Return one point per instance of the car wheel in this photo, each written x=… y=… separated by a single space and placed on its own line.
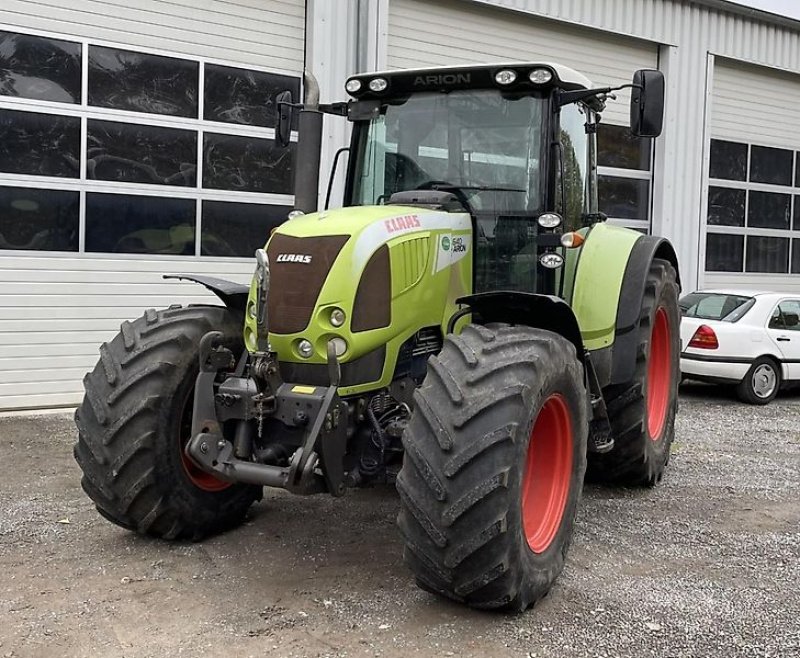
x=761 y=383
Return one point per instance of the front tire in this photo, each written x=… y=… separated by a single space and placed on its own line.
x=495 y=455
x=135 y=420
x=761 y=383
x=642 y=411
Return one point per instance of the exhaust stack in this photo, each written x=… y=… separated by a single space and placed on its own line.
x=309 y=146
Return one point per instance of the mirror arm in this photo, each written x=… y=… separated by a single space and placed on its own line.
x=567 y=97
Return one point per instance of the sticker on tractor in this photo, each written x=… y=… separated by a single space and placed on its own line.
x=446 y=243
x=452 y=248
x=303 y=390
x=401 y=223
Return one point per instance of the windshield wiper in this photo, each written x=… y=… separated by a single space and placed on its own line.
x=478 y=188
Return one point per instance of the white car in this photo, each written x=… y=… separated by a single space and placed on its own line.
x=750 y=339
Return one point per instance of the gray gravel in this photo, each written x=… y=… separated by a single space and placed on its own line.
x=707 y=564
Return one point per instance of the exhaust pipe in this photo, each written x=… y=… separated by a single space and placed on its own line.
x=309 y=148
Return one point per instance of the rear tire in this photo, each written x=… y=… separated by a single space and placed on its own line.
x=495 y=455
x=761 y=383
x=642 y=411
x=134 y=422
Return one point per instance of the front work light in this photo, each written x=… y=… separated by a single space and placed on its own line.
x=549 y=220
x=551 y=261
x=505 y=77
x=540 y=76
x=378 y=84
x=353 y=86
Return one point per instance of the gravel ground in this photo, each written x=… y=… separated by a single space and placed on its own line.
x=707 y=564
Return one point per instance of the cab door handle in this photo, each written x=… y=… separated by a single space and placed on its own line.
x=783 y=339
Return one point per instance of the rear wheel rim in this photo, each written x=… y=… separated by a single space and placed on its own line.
x=197 y=476
x=548 y=474
x=764 y=381
x=659 y=375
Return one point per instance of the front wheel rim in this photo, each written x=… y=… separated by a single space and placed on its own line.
x=764 y=381
x=548 y=474
x=659 y=375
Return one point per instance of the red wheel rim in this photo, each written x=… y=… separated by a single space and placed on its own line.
x=658 y=375
x=197 y=476
x=548 y=471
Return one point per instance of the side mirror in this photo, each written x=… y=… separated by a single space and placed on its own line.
x=647 y=103
x=283 y=118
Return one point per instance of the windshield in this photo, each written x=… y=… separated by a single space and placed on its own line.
x=715 y=306
x=483 y=147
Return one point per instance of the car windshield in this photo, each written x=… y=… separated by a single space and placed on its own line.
x=478 y=144
x=715 y=306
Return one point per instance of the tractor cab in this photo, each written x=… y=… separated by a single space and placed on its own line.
x=512 y=145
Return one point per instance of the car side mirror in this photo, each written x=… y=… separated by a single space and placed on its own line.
x=647 y=103
x=283 y=118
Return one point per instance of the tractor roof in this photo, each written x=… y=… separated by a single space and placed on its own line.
x=464 y=76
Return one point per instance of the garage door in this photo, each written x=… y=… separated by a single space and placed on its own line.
x=135 y=141
x=753 y=211
x=457 y=32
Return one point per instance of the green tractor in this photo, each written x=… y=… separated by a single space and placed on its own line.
x=467 y=326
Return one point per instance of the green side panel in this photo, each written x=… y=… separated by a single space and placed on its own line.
x=596 y=273
x=430 y=255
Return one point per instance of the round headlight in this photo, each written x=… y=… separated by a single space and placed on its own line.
x=353 y=85
x=551 y=261
x=505 y=77
x=295 y=213
x=540 y=76
x=378 y=84
x=337 y=317
x=305 y=348
x=339 y=345
x=549 y=220
x=251 y=310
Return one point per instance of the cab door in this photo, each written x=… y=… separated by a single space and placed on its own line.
x=784 y=331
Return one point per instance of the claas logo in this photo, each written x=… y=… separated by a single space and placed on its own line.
x=293 y=258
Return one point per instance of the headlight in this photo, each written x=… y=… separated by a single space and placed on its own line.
x=540 y=76
x=337 y=317
x=551 y=261
x=549 y=220
x=505 y=77
x=353 y=86
x=339 y=345
x=305 y=348
x=378 y=84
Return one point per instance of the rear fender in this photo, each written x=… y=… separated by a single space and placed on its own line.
x=233 y=295
x=540 y=311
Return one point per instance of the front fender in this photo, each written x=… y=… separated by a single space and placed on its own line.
x=233 y=295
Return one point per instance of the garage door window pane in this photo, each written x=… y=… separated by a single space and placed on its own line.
x=246 y=164
x=624 y=198
x=132 y=224
x=796 y=224
x=767 y=254
x=141 y=154
x=728 y=160
x=769 y=210
x=726 y=206
x=39 y=144
x=724 y=253
x=139 y=82
x=770 y=165
x=797 y=170
x=38 y=219
x=40 y=68
x=237 y=229
x=796 y=256
x=616 y=147
x=242 y=96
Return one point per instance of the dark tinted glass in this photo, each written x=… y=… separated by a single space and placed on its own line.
x=767 y=254
x=770 y=165
x=40 y=68
x=38 y=219
x=796 y=221
x=237 y=229
x=769 y=210
x=726 y=206
x=616 y=147
x=714 y=306
x=625 y=198
x=797 y=170
x=246 y=164
x=728 y=160
x=125 y=223
x=39 y=144
x=240 y=96
x=139 y=82
x=724 y=253
x=133 y=153
x=796 y=256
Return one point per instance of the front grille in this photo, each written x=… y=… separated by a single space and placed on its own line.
x=296 y=278
x=363 y=370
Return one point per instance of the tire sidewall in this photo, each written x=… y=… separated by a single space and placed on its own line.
x=541 y=569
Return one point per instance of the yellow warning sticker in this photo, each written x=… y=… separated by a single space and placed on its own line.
x=304 y=390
